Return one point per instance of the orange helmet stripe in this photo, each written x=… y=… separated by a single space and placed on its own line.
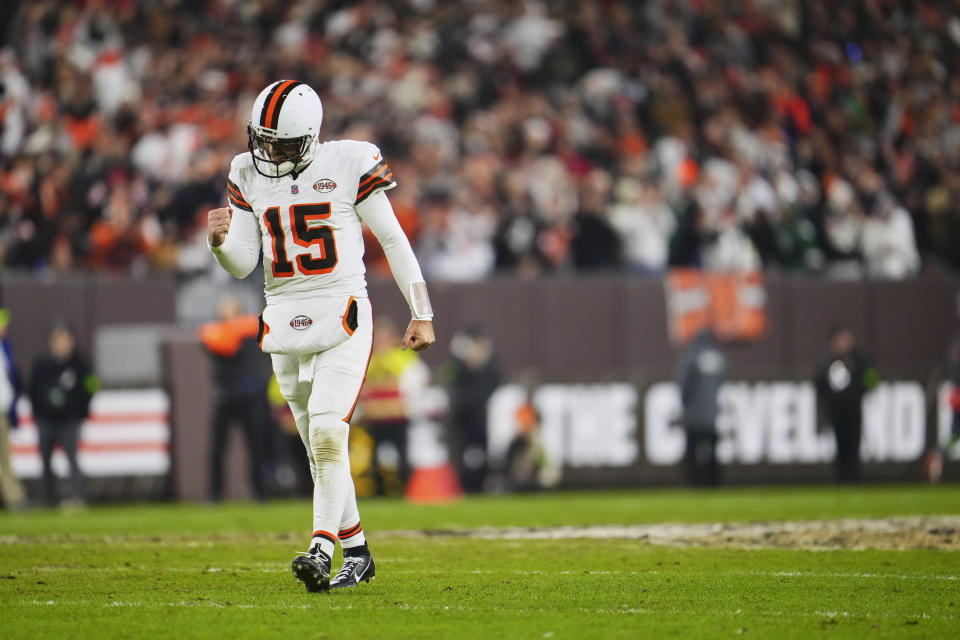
x=271 y=111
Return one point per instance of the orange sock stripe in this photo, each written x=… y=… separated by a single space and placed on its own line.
x=352 y=531
x=319 y=533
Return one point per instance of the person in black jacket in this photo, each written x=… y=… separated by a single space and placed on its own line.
x=842 y=380
x=472 y=374
x=701 y=371
x=61 y=387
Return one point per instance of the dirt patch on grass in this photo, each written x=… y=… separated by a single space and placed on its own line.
x=920 y=532
x=908 y=532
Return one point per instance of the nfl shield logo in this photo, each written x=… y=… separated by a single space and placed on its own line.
x=294 y=189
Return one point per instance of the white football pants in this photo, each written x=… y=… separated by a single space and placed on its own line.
x=322 y=408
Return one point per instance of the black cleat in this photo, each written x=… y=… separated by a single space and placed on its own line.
x=313 y=570
x=356 y=569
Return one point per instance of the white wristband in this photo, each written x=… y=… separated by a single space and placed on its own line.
x=420 y=301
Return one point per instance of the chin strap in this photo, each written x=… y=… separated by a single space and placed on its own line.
x=300 y=168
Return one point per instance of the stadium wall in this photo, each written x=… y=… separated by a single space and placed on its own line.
x=585 y=333
x=594 y=356
x=564 y=328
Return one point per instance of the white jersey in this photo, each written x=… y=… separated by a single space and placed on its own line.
x=310 y=231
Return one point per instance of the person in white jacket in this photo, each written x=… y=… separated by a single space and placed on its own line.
x=887 y=241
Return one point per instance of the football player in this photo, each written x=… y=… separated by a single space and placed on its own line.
x=302 y=202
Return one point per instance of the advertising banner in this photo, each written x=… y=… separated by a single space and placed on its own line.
x=127 y=434
x=733 y=304
x=765 y=424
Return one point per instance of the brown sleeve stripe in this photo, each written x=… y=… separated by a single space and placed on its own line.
x=379 y=170
x=240 y=204
x=387 y=182
x=387 y=176
x=232 y=186
x=236 y=197
x=236 y=194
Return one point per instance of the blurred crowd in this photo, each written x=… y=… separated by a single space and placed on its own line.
x=527 y=137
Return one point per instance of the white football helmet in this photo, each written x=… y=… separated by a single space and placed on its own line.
x=284 y=128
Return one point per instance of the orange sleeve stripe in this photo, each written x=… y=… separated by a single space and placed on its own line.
x=385 y=182
x=233 y=185
x=388 y=177
x=374 y=175
x=239 y=203
x=235 y=192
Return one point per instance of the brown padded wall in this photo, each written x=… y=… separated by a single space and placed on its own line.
x=562 y=328
x=86 y=302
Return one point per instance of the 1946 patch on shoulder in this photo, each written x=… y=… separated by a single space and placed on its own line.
x=324 y=185
x=301 y=322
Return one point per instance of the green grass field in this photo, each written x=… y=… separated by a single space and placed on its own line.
x=223 y=571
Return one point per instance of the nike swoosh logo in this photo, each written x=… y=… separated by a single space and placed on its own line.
x=376 y=157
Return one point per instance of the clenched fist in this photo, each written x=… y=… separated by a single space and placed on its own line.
x=218 y=223
x=419 y=335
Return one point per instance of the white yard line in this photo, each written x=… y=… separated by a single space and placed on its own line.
x=266 y=567
x=624 y=609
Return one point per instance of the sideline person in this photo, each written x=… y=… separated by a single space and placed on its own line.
x=62 y=385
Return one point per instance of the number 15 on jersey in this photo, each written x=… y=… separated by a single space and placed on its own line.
x=304 y=235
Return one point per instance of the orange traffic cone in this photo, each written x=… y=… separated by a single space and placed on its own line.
x=434 y=484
